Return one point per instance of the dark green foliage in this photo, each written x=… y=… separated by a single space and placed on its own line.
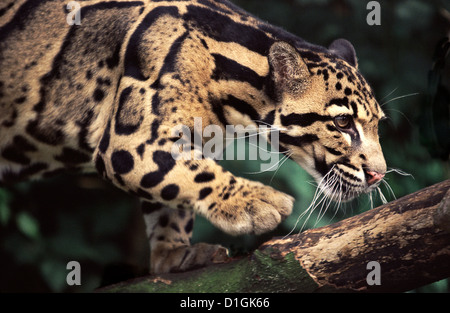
x=435 y=127
x=44 y=225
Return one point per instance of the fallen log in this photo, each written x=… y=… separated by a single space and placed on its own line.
x=396 y=247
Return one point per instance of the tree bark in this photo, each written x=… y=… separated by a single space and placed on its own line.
x=408 y=238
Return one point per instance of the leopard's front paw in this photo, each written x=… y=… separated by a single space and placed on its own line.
x=166 y=258
x=255 y=208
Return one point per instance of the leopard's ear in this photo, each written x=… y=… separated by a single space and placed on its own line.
x=345 y=50
x=289 y=72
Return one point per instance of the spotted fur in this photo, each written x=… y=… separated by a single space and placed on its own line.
x=104 y=95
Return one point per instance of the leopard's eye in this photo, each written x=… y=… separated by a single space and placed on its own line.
x=343 y=122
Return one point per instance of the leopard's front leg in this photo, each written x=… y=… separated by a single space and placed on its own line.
x=135 y=153
x=237 y=205
x=169 y=232
x=234 y=204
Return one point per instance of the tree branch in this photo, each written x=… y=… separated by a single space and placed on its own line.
x=409 y=238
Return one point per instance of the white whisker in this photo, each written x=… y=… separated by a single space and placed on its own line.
x=267 y=151
x=285 y=159
x=399 y=97
x=382 y=197
x=399 y=171
x=389 y=94
x=282 y=160
x=401 y=113
x=371 y=199
x=333 y=188
x=388 y=187
x=257 y=133
x=338 y=203
x=268 y=124
x=319 y=194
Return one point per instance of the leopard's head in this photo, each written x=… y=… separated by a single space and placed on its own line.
x=328 y=117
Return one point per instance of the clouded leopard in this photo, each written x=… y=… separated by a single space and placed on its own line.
x=104 y=96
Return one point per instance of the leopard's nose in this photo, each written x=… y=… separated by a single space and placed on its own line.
x=373 y=177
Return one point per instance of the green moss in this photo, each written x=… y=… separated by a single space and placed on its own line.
x=258 y=273
x=280 y=275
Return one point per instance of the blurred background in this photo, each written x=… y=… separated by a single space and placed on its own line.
x=46 y=224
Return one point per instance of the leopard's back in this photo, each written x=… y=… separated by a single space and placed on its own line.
x=57 y=83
